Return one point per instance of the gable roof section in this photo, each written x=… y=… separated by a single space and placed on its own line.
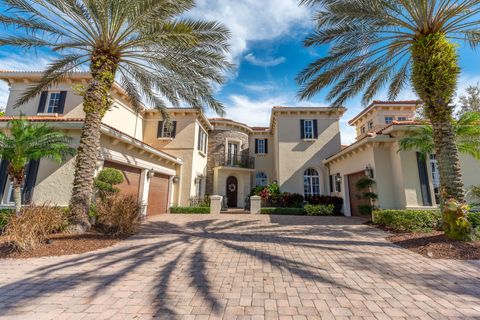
x=378 y=104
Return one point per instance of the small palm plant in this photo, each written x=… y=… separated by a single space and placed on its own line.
x=467 y=136
x=156 y=56
x=23 y=142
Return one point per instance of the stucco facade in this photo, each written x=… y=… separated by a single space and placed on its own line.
x=188 y=156
x=403 y=179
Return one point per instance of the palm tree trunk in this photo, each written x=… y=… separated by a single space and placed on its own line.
x=434 y=76
x=446 y=151
x=17 y=197
x=95 y=103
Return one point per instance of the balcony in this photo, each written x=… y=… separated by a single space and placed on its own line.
x=238 y=161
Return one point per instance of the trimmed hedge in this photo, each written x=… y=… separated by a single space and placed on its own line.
x=408 y=220
x=337 y=202
x=319 y=209
x=283 y=211
x=190 y=210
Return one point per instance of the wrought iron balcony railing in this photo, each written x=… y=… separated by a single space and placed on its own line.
x=237 y=161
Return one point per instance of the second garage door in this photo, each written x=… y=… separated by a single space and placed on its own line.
x=158 y=195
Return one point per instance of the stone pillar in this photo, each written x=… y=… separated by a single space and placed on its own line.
x=255 y=204
x=215 y=204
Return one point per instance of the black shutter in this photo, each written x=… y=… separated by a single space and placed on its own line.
x=331 y=184
x=43 y=102
x=266 y=145
x=61 y=106
x=174 y=129
x=160 y=129
x=302 y=131
x=256 y=145
x=3 y=177
x=424 y=185
x=30 y=180
x=315 y=129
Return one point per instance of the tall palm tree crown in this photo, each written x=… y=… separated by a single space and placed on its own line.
x=156 y=56
x=378 y=43
x=23 y=142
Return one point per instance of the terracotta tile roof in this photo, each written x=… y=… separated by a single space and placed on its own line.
x=373 y=134
x=381 y=102
x=43 y=119
x=63 y=119
x=260 y=128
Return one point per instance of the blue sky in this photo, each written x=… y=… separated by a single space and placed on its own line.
x=266 y=46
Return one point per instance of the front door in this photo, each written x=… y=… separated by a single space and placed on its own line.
x=356 y=196
x=232 y=191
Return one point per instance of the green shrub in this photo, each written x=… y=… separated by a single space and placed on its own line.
x=326 y=200
x=33 y=226
x=190 y=210
x=4 y=216
x=408 y=220
x=283 y=211
x=118 y=214
x=366 y=209
x=319 y=209
x=474 y=218
x=107 y=179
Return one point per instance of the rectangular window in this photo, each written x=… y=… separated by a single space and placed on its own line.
x=53 y=102
x=435 y=177
x=308 y=129
x=370 y=125
x=233 y=153
x=362 y=130
x=261 y=146
x=166 y=130
x=388 y=119
x=202 y=141
x=402 y=118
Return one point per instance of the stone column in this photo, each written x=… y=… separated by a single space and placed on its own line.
x=215 y=204
x=255 y=204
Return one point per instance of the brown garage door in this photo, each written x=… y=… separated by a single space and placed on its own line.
x=158 y=195
x=131 y=184
x=356 y=196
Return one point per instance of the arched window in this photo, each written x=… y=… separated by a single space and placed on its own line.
x=261 y=179
x=311 y=182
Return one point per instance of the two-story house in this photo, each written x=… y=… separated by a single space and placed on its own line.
x=168 y=164
x=403 y=179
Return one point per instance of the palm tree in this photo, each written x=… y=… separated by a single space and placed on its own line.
x=466 y=130
x=374 y=43
x=156 y=56
x=23 y=142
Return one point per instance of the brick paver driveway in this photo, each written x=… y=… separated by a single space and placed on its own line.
x=243 y=267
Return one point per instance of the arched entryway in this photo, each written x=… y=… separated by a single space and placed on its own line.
x=232 y=192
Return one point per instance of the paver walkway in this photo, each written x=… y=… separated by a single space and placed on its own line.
x=243 y=267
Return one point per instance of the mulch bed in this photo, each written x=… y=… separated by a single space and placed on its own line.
x=61 y=244
x=437 y=246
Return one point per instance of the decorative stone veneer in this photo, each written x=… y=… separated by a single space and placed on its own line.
x=217 y=150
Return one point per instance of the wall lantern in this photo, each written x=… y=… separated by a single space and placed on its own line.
x=369 y=171
x=338 y=178
x=151 y=173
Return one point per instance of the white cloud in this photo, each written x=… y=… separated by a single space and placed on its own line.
x=253 y=20
x=266 y=62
